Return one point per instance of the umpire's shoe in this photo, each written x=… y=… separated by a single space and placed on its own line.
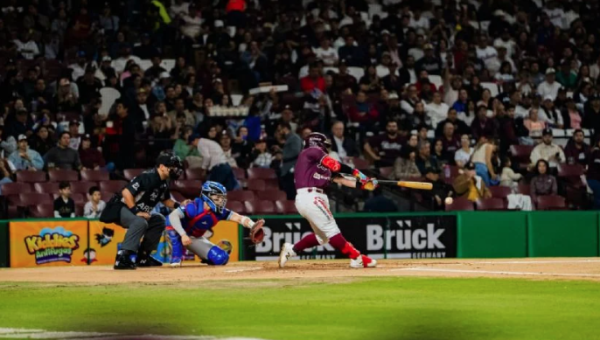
x=125 y=260
x=145 y=260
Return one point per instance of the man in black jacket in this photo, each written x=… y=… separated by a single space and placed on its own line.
x=344 y=146
x=131 y=207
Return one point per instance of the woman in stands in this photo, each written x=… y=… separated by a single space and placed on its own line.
x=543 y=183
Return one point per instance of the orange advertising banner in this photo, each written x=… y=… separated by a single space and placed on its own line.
x=104 y=241
x=48 y=243
x=228 y=231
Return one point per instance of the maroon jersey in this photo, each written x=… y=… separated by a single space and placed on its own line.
x=309 y=173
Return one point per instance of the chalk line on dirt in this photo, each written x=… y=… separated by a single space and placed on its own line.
x=494 y=272
x=242 y=270
x=11 y=333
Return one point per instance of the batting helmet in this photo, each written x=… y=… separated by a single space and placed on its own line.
x=316 y=139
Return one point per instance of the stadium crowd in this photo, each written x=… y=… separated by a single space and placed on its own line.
x=429 y=89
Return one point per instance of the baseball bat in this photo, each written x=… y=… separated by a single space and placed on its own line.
x=409 y=184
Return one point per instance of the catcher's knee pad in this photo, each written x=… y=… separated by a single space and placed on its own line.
x=176 y=245
x=217 y=256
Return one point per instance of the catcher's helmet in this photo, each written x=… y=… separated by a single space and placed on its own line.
x=213 y=188
x=316 y=139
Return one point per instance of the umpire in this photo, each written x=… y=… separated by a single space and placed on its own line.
x=131 y=209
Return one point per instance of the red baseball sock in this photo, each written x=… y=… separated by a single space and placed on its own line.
x=340 y=243
x=308 y=241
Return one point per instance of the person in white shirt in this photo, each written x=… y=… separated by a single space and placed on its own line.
x=80 y=66
x=179 y=8
x=192 y=23
x=383 y=69
x=548 y=151
x=95 y=206
x=26 y=46
x=120 y=63
x=556 y=15
x=463 y=155
x=549 y=114
x=550 y=86
x=505 y=41
x=326 y=53
x=595 y=69
x=411 y=99
x=418 y=22
x=487 y=54
x=214 y=161
x=437 y=110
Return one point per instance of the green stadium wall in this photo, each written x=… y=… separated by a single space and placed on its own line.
x=480 y=234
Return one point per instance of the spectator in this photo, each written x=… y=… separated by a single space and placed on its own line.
x=25 y=158
x=593 y=173
x=461 y=105
x=440 y=191
x=470 y=186
x=7 y=170
x=326 y=53
x=410 y=100
x=483 y=159
x=90 y=157
x=460 y=127
x=450 y=142
x=534 y=125
x=430 y=62
x=576 y=150
x=549 y=87
x=75 y=140
x=408 y=74
x=571 y=115
x=62 y=156
x=122 y=143
x=549 y=152
x=482 y=125
x=64 y=206
x=8 y=144
x=385 y=148
x=424 y=158
x=549 y=114
x=261 y=157
x=94 y=207
x=291 y=150
x=543 y=183
x=508 y=127
x=41 y=141
x=242 y=147
x=352 y=54
x=214 y=161
x=26 y=46
x=183 y=149
x=225 y=143
x=314 y=80
x=442 y=158
x=437 y=110
x=463 y=155
x=21 y=125
x=591 y=117
x=363 y=111
x=405 y=166
x=179 y=111
x=344 y=146
x=509 y=178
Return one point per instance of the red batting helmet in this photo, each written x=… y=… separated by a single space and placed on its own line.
x=319 y=140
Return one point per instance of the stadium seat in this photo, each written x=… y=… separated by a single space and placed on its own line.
x=500 y=191
x=79 y=209
x=260 y=207
x=45 y=210
x=460 y=204
x=386 y=171
x=59 y=175
x=240 y=195
x=31 y=176
x=271 y=195
x=524 y=189
x=132 y=173
x=260 y=173
x=33 y=198
x=257 y=185
x=286 y=207
x=46 y=187
x=189 y=188
x=82 y=187
x=112 y=186
x=239 y=173
x=106 y=196
x=236 y=206
x=94 y=175
x=551 y=202
x=361 y=164
x=491 y=204
x=271 y=184
x=521 y=154
x=195 y=174
x=571 y=173
x=9 y=189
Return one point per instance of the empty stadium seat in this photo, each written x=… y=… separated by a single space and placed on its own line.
x=260 y=207
x=257 y=185
x=94 y=175
x=195 y=174
x=521 y=154
x=190 y=188
x=239 y=173
x=500 y=191
x=236 y=206
x=82 y=187
x=46 y=187
x=524 y=189
x=106 y=196
x=132 y=173
x=491 y=204
x=551 y=202
x=112 y=186
x=286 y=207
x=271 y=184
x=33 y=198
x=60 y=175
x=240 y=195
x=31 y=176
x=260 y=173
x=571 y=173
x=460 y=204
x=361 y=164
x=9 y=189
x=271 y=195
x=45 y=210
x=386 y=171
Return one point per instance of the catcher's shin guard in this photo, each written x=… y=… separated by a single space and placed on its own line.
x=217 y=256
x=176 y=246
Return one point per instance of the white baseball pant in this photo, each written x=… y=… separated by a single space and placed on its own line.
x=313 y=205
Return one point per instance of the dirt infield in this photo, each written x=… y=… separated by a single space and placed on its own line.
x=545 y=269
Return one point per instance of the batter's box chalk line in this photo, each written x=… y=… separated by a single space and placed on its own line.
x=20 y=333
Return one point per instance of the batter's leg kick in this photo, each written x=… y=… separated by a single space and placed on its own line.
x=315 y=208
x=132 y=254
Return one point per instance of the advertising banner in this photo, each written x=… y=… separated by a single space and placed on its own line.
x=104 y=242
x=379 y=237
x=48 y=243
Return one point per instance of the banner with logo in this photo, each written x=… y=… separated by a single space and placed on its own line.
x=47 y=243
x=379 y=237
x=103 y=243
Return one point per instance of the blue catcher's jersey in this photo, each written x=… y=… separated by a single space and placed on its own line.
x=197 y=220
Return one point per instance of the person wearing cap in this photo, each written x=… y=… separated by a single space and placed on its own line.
x=549 y=114
x=80 y=66
x=548 y=151
x=105 y=70
x=90 y=157
x=385 y=65
x=469 y=185
x=549 y=87
x=486 y=53
x=430 y=62
x=440 y=191
x=25 y=158
x=214 y=161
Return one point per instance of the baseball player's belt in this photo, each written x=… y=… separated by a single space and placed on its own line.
x=317 y=190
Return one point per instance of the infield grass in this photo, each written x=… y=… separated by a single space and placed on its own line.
x=373 y=308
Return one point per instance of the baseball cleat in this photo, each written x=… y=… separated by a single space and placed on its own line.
x=148 y=261
x=124 y=261
x=175 y=264
x=363 y=261
x=286 y=251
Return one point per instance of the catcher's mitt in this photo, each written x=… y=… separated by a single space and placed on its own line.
x=257 y=234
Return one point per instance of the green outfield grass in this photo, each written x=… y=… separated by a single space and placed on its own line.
x=386 y=308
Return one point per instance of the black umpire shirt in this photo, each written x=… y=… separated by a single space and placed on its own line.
x=147 y=190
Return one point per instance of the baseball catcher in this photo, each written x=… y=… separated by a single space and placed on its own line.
x=313 y=173
x=188 y=224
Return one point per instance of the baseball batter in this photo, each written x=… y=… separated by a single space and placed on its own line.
x=187 y=225
x=313 y=173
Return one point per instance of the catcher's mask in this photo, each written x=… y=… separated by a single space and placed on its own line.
x=215 y=195
x=172 y=162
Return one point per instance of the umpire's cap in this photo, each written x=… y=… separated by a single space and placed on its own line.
x=169 y=159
